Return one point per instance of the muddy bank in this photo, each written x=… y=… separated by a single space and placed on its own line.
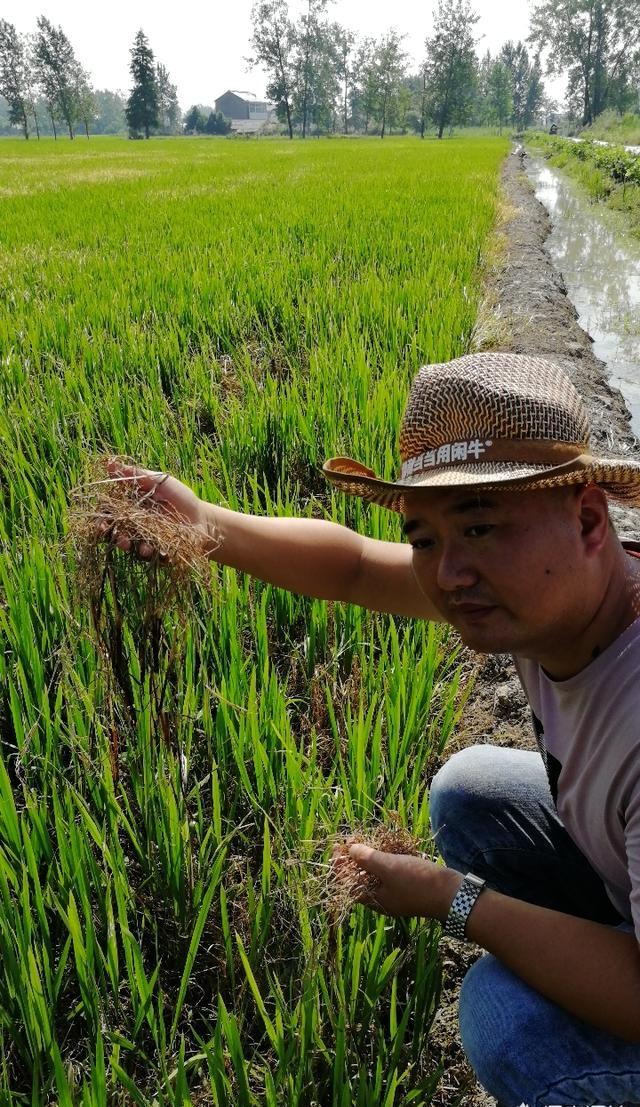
x=525 y=310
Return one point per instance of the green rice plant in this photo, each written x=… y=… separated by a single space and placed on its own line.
x=233 y=313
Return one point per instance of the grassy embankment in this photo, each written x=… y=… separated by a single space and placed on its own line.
x=232 y=313
x=609 y=174
x=610 y=126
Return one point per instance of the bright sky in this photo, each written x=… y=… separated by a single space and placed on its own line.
x=204 y=47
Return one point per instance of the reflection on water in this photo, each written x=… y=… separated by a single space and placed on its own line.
x=601 y=268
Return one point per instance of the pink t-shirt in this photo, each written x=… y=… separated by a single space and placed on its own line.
x=591 y=743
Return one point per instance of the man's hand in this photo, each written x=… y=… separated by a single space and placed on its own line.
x=162 y=490
x=408 y=885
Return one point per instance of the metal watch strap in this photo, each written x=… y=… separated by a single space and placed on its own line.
x=462 y=904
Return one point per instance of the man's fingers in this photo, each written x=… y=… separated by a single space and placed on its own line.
x=369 y=859
x=144 y=550
x=146 y=480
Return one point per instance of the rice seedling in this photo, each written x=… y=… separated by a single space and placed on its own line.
x=231 y=313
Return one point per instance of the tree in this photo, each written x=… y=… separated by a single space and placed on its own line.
x=14 y=75
x=526 y=83
x=549 y=109
x=316 y=88
x=142 y=106
x=413 y=91
x=622 y=91
x=168 y=107
x=85 y=99
x=34 y=93
x=380 y=94
x=273 y=43
x=594 y=40
x=535 y=94
x=364 y=84
x=57 y=71
x=310 y=50
x=195 y=120
x=110 y=118
x=390 y=68
x=516 y=60
x=500 y=99
x=424 y=100
x=344 y=45
x=451 y=63
x=482 y=111
x=217 y=124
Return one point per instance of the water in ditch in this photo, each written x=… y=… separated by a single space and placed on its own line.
x=600 y=264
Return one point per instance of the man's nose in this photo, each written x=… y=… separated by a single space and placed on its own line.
x=455 y=568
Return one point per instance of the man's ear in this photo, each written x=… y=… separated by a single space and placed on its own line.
x=593 y=513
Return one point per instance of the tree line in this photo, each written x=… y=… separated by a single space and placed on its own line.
x=41 y=79
x=324 y=78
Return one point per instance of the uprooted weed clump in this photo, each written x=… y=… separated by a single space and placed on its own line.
x=347 y=882
x=139 y=607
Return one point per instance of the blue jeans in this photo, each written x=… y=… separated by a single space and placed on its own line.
x=492 y=814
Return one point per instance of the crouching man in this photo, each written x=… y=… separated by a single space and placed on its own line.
x=509 y=541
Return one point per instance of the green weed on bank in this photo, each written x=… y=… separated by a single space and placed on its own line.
x=233 y=313
x=611 y=126
x=609 y=174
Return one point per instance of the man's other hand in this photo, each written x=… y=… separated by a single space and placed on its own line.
x=409 y=886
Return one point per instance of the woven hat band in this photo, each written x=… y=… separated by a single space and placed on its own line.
x=534 y=451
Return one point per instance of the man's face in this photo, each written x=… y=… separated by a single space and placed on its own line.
x=507 y=569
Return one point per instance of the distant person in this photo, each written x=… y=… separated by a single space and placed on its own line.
x=509 y=541
x=553 y=129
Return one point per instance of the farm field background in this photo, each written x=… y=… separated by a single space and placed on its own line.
x=234 y=313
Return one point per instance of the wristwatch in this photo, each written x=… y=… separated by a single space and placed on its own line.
x=462 y=905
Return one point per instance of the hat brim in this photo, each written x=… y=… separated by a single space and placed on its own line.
x=620 y=479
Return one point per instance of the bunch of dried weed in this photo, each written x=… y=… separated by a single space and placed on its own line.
x=135 y=604
x=347 y=882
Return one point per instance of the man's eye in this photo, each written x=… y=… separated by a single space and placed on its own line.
x=422 y=543
x=479 y=530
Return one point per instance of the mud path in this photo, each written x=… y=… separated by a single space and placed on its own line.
x=525 y=310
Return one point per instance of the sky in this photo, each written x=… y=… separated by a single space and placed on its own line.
x=205 y=48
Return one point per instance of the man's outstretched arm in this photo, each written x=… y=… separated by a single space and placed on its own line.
x=311 y=557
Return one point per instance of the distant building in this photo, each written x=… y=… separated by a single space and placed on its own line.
x=247 y=114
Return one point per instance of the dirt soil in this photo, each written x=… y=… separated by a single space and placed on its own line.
x=525 y=310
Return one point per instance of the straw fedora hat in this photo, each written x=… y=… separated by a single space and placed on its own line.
x=496 y=420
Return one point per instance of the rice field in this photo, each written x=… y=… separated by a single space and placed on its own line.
x=233 y=312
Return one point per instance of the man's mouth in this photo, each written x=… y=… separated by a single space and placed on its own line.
x=472 y=610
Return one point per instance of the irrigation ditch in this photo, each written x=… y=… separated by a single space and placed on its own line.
x=526 y=309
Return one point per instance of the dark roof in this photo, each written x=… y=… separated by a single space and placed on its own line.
x=249 y=96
